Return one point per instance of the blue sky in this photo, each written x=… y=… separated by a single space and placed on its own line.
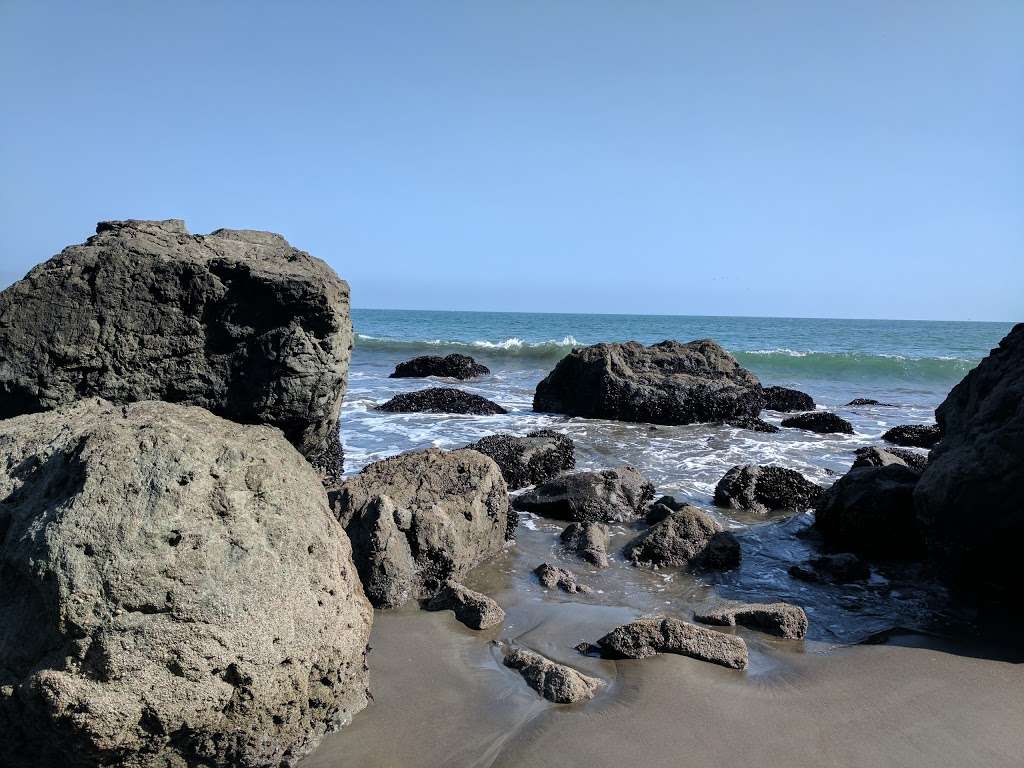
x=730 y=158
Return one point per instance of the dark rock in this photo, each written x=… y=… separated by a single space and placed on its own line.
x=452 y=366
x=237 y=322
x=658 y=512
x=528 y=460
x=787 y=400
x=609 y=496
x=175 y=592
x=555 y=682
x=840 y=568
x=823 y=422
x=644 y=638
x=866 y=401
x=873 y=456
x=914 y=435
x=671 y=502
x=782 y=619
x=559 y=578
x=666 y=383
x=753 y=424
x=473 y=609
x=765 y=489
x=589 y=541
x=689 y=538
x=420 y=519
x=441 y=400
x=870 y=511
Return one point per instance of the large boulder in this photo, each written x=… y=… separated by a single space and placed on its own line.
x=441 y=400
x=420 y=519
x=688 y=538
x=174 y=591
x=453 y=366
x=914 y=435
x=765 y=489
x=648 y=637
x=607 y=496
x=237 y=321
x=970 y=499
x=785 y=399
x=823 y=422
x=666 y=383
x=528 y=460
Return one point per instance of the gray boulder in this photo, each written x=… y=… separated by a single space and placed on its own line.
x=765 y=489
x=419 y=519
x=588 y=541
x=175 y=592
x=914 y=435
x=666 y=383
x=785 y=399
x=823 y=422
x=441 y=400
x=840 y=568
x=644 y=638
x=873 y=456
x=689 y=538
x=552 y=577
x=454 y=366
x=237 y=321
x=555 y=682
x=529 y=460
x=782 y=619
x=475 y=610
x=607 y=496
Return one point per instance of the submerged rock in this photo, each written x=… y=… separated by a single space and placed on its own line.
x=475 y=610
x=453 y=366
x=666 y=383
x=237 y=322
x=608 y=496
x=782 y=619
x=441 y=400
x=787 y=400
x=765 y=489
x=560 y=578
x=529 y=460
x=753 y=424
x=557 y=683
x=589 y=541
x=689 y=538
x=175 y=592
x=873 y=456
x=838 y=569
x=823 y=422
x=866 y=401
x=914 y=435
x=644 y=638
x=420 y=519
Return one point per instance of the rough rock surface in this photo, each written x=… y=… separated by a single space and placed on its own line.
x=529 y=460
x=870 y=511
x=419 y=519
x=662 y=508
x=970 y=500
x=689 y=538
x=914 y=435
x=441 y=400
x=475 y=610
x=552 y=577
x=840 y=568
x=555 y=682
x=782 y=619
x=609 y=496
x=873 y=456
x=866 y=401
x=787 y=400
x=453 y=366
x=823 y=422
x=644 y=638
x=589 y=541
x=765 y=489
x=236 y=321
x=175 y=592
x=753 y=424
x=666 y=383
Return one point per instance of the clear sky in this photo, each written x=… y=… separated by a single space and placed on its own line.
x=837 y=159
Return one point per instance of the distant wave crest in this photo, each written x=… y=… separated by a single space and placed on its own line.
x=513 y=346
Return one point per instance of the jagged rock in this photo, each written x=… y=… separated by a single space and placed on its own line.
x=787 y=400
x=441 y=400
x=175 y=592
x=753 y=424
x=529 y=460
x=840 y=568
x=689 y=538
x=420 y=519
x=644 y=638
x=765 y=489
x=914 y=435
x=870 y=511
x=236 y=321
x=873 y=456
x=589 y=541
x=866 y=401
x=473 y=609
x=559 y=578
x=662 y=508
x=823 y=422
x=555 y=682
x=609 y=496
x=782 y=619
x=666 y=383
x=453 y=366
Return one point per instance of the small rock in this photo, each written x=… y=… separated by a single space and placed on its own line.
x=657 y=512
x=785 y=399
x=873 y=456
x=914 y=435
x=529 y=460
x=689 y=538
x=644 y=638
x=764 y=489
x=454 y=366
x=441 y=400
x=782 y=619
x=557 y=683
x=560 y=578
x=866 y=401
x=609 y=496
x=589 y=541
x=837 y=569
x=823 y=422
x=753 y=424
x=475 y=610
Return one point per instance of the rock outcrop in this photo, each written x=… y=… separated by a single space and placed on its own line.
x=529 y=460
x=588 y=541
x=441 y=400
x=237 y=322
x=609 y=496
x=475 y=610
x=823 y=422
x=644 y=638
x=557 y=683
x=552 y=577
x=782 y=619
x=840 y=568
x=420 y=519
x=666 y=383
x=914 y=435
x=175 y=592
x=873 y=456
x=787 y=400
x=689 y=538
x=453 y=366
x=765 y=489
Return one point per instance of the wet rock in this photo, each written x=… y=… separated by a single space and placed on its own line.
x=658 y=512
x=555 y=682
x=689 y=538
x=441 y=400
x=914 y=435
x=454 y=366
x=787 y=400
x=644 y=638
x=529 y=460
x=175 y=592
x=666 y=383
x=753 y=424
x=559 y=578
x=870 y=511
x=589 y=541
x=473 y=609
x=608 y=496
x=420 y=519
x=866 y=401
x=840 y=568
x=873 y=456
x=822 y=422
x=237 y=322
x=781 y=619
x=765 y=489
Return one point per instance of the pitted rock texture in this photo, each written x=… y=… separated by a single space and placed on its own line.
x=588 y=541
x=529 y=460
x=552 y=577
x=475 y=610
x=644 y=638
x=688 y=538
x=782 y=619
x=765 y=488
x=607 y=496
x=557 y=683
x=453 y=366
x=441 y=400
